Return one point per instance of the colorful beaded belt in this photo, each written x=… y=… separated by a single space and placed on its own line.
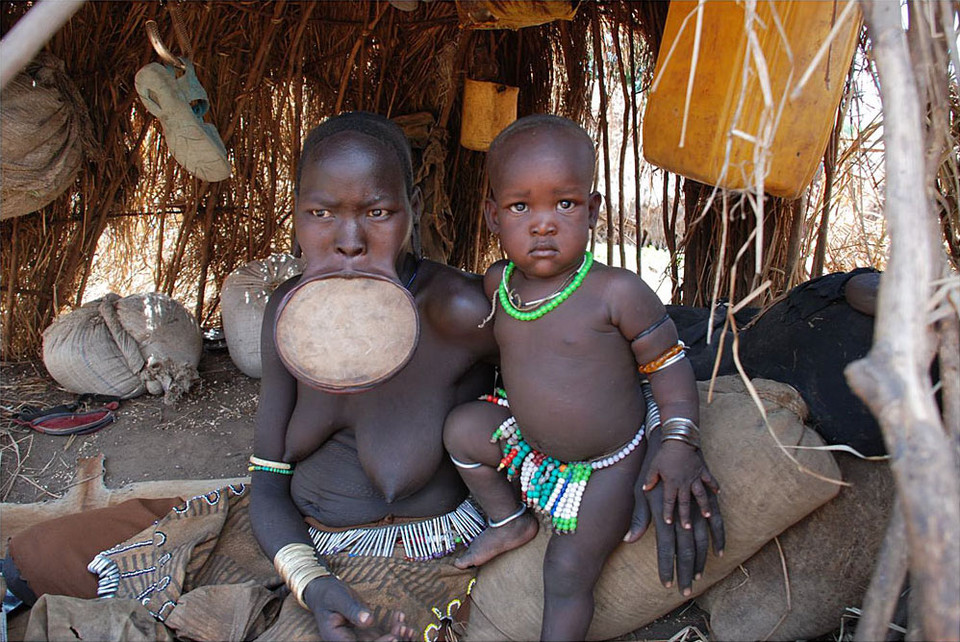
x=552 y=487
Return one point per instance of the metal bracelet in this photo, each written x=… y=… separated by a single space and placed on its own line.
x=508 y=519
x=463 y=464
x=690 y=441
x=683 y=421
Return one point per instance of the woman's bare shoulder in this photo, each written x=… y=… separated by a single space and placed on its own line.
x=454 y=299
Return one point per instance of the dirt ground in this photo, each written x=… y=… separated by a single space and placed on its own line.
x=208 y=434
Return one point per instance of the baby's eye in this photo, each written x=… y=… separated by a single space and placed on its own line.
x=321 y=213
x=519 y=208
x=565 y=206
x=378 y=213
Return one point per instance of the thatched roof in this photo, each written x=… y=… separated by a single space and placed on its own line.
x=272 y=71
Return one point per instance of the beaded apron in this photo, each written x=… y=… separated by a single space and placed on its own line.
x=552 y=487
x=421 y=540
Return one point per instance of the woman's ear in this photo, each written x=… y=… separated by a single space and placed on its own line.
x=594 y=204
x=491 y=216
x=416 y=203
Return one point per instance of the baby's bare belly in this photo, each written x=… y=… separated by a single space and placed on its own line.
x=576 y=416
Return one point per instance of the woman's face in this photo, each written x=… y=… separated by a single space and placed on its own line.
x=353 y=213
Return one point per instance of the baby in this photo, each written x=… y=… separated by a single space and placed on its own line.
x=572 y=334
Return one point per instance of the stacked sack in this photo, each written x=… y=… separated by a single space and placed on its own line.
x=124 y=347
x=242 y=301
x=46 y=133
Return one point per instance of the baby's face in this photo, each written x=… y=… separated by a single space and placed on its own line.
x=353 y=213
x=542 y=206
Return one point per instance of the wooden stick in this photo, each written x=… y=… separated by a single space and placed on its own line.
x=604 y=134
x=892 y=379
x=11 y=290
x=634 y=126
x=28 y=36
x=881 y=599
x=623 y=150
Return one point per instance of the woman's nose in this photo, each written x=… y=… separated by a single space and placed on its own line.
x=350 y=239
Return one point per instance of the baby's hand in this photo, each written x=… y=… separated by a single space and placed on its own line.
x=682 y=471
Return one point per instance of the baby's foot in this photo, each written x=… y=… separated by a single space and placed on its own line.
x=499 y=539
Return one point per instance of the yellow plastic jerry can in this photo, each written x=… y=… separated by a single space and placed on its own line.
x=488 y=107
x=757 y=99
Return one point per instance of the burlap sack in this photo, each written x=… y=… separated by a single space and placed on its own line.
x=763 y=493
x=125 y=347
x=830 y=557
x=45 y=131
x=242 y=300
x=57 y=617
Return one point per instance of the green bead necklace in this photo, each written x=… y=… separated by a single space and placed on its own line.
x=550 y=302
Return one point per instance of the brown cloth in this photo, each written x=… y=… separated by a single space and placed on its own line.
x=52 y=556
x=201 y=572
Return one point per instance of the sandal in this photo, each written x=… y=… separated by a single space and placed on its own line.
x=180 y=104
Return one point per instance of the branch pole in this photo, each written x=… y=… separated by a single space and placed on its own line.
x=893 y=378
x=880 y=602
x=28 y=36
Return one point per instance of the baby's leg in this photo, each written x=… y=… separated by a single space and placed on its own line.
x=466 y=434
x=572 y=564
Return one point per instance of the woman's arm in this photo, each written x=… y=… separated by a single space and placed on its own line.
x=275 y=519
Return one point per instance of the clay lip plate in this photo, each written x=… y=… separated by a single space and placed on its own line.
x=347 y=334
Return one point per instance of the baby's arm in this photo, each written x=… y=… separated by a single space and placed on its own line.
x=642 y=319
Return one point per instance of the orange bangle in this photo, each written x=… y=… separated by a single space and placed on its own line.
x=656 y=364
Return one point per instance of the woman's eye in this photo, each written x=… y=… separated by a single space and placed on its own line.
x=378 y=213
x=321 y=213
x=519 y=208
x=565 y=206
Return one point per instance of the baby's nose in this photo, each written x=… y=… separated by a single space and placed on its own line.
x=541 y=224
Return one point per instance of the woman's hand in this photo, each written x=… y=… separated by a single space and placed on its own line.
x=341 y=615
x=681 y=472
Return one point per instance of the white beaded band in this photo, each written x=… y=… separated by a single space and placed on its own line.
x=258 y=461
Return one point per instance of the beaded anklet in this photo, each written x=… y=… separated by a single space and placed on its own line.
x=548 y=485
x=269 y=466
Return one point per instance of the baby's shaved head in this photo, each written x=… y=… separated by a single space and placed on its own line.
x=535 y=124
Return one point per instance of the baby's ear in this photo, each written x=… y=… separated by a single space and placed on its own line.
x=596 y=200
x=491 y=215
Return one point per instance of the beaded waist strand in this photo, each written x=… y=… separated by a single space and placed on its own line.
x=421 y=540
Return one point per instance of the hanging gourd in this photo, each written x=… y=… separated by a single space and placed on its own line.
x=488 y=107
x=746 y=94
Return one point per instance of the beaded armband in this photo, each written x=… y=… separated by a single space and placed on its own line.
x=269 y=466
x=669 y=357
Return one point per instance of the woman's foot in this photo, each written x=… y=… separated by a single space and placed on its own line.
x=499 y=539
